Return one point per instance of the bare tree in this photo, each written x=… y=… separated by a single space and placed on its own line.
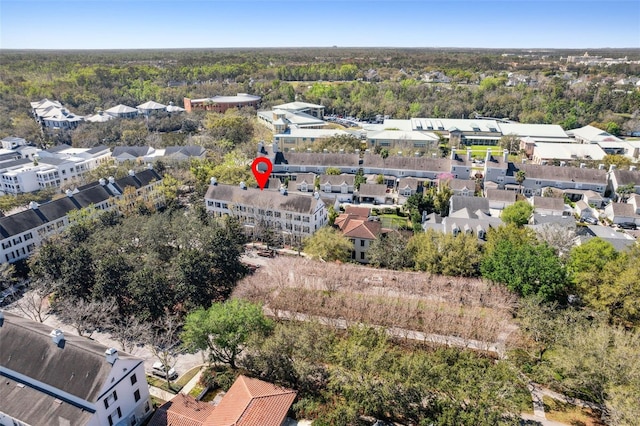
x=561 y=238
x=130 y=332
x=165 y=344
x=86 y=316
x=35 y=302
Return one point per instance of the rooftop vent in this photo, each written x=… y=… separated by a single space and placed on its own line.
x=213 y=181
x=112 y=180
x=102 y=182
x=69 y=193
x=132 y=173
x=57 y=336
x=243 y=185
x=316 y=195
x=111 y=355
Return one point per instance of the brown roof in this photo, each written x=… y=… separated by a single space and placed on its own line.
x=182 y=410
x=548 y=203
x=372 y=190
x=561 y=174
x=625 y=177
x=460 y=184
x=363 y=212
x=622 y=209
x=501 y=195
x=252 y=402
x=337 y=179
x=408 y=163
x=362 y=229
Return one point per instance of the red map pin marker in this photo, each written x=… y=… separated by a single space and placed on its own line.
x=261 y=175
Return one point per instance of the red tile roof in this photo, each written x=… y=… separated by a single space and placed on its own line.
x=182 y=410
x=363 y=229
x=252 y=402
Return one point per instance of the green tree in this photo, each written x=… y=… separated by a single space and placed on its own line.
x=332 y=171
x=586 y=266
x=518 y=213
x=624 y=191
x=329 y=245
x=447 y=254
x=525 y=267
x=620 y=161
x=224 y=329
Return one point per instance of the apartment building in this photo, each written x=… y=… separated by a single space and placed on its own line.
x=49 y=377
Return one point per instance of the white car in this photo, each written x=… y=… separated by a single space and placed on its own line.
x=159 y=370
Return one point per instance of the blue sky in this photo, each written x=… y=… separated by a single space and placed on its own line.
x=129 y=24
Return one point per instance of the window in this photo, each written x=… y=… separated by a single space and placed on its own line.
x=361 y=243
x=146 y=407
x=362 y=256
x=136 y=395
x=134 y=380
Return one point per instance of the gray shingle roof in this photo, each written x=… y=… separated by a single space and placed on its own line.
x=459 y=202
x=625 y=177
x=264 y=199
x=312 y=159
x=561 y=174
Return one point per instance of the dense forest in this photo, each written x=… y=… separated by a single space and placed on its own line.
x=354 y=82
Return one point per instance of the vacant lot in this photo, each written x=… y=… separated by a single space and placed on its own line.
x=448 y=306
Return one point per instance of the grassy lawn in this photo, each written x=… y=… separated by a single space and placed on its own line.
x=570 y=414
x=177 y=385
x=393 y=221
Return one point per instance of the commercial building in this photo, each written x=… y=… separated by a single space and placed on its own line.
x=222 y=103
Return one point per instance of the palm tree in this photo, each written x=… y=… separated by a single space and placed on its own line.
x=520 y=177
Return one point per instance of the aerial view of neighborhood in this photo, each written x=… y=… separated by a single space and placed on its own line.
x=321 y=236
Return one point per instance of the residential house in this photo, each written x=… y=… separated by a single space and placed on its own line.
x=464 y=187
x=133 y=153
x=290 y=214
x=249 y=402
x=473 y=204
x=181 y=153
x=618 y=178
x=409 y=186
x=342 y=185
x=21 y=233
x=374 y=193
x=500 y=198
x=621 y=213
x=50 y=377
x=584 y=210
x=634 y=200
x=221 y=104
x=151 y=107
x=303 y=182
x=549 y=206
x=621 y=241
x=495 y=167
x=286 y=163
x=52 y=115
x=464 y=220
x=573 y=181
x=594 y=199
x=360 y=229
x=122 y=111
x=14 y=148
x=99 y=117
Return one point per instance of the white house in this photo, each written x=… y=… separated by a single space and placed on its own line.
x=22 y=232
x=297 y=215
x=51 y=378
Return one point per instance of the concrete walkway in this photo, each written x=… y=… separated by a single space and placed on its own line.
x=536 y=397
x=160 y=393
x=532 y=420
x=193 y=382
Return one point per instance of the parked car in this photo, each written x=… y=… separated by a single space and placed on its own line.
x=627 y=225
x=159 y=370
x=590 y=220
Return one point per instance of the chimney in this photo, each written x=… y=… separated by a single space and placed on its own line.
x=274 y=147
x=453 y=154
x=632 y=168
x=563 y=163
x=33 y=205
x=325 y=150
x=434 y=155
x=468 y=154
x=149 y=166
x=416 y=154
x=132 y=173
x=582 y=165
x=57 y=336
x=612 y=167
x=102 y=182
x=600 y=166
x=213 y=181
x=488 y=157
x=112 y=180
x=111 y=355
x=308 y=149
x=243 y=185
x=505 y=155
x=69 y=193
